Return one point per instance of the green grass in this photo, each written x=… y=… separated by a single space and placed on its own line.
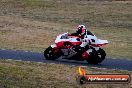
x=19 y=74
x=42 y=20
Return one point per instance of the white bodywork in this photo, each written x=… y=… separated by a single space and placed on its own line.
x=97 y=41
x=87 y=39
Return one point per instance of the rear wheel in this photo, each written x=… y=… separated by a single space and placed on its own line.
x=50 y=55
x=101 y=55
x=96 y=57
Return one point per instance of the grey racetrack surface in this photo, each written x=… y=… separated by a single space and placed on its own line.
x=121 y=64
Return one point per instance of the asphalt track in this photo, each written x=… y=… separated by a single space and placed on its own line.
x=119 y=64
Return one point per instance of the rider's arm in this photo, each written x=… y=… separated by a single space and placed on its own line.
x=73 y=34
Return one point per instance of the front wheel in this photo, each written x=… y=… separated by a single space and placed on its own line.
x=96 y=57
x=50 y=55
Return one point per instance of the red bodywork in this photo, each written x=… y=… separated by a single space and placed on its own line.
x=69 y=44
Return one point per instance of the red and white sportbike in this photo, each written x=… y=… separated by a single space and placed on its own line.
x=75 y=48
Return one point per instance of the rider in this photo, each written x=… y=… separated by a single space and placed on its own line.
x=81 y=31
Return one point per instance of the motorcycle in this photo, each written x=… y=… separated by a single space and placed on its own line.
x=66 y=47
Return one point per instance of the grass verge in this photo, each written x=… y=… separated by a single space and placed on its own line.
x=19 y=74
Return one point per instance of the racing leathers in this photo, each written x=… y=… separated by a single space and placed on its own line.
x=81 y=47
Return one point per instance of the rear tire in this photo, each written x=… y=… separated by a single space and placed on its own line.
x=50 y=55
x=96 y=57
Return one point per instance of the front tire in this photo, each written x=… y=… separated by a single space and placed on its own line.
x=50 y=55
x=96 y=57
